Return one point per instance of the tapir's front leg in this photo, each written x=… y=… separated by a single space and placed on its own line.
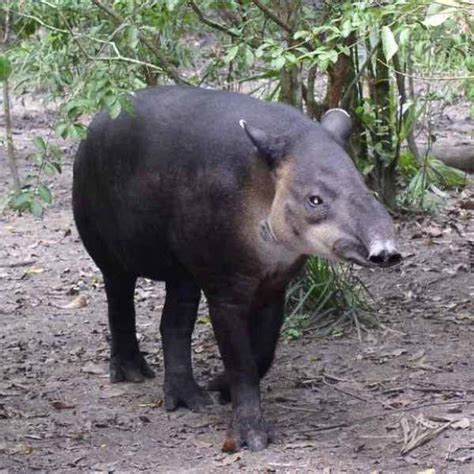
x=230 y=315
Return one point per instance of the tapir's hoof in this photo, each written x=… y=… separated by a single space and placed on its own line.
x=187 y=393
x=255 y=434
x=131 y=369
x=219 y=384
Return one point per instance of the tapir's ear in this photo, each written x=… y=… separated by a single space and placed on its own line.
x=338 y=123
x=272 y=148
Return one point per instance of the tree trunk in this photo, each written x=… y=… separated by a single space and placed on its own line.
x=384 y=159
x=290 y=75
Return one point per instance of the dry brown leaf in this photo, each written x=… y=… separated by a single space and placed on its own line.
x=34 y=270
x=231 y=459
x=61 y=405
x=157 y=404
x=77 y=303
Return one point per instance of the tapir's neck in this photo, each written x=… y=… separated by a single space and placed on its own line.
x=274 y=256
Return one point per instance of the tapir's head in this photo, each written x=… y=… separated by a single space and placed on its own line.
x=321 y=204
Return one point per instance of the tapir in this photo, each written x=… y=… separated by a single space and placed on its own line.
x=223 y=194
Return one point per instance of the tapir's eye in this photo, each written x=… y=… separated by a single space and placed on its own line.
x=315 y=201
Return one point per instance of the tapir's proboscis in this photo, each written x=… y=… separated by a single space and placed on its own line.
x=223 y=194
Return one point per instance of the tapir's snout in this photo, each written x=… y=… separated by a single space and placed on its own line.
x=379 y=254
x=384 y=254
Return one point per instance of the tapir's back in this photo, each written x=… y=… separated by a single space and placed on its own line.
x=185 y=124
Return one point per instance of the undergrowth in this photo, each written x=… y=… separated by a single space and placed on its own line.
x=329 y=299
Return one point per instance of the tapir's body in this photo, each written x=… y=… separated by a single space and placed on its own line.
x=179 y=192
x=171 y=191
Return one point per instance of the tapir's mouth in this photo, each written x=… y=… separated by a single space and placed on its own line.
x=359 y=254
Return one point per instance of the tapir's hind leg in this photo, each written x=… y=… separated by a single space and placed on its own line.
x=126 y=361
x=265 y=331
x=177 y=324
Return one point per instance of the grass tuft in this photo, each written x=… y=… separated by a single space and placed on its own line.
x=328 y=299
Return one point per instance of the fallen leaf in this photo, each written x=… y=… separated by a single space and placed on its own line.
x=77 y=303
x=91 y=368
x=231 y=459
x=60 y=405
x=433 y=231
x=157 y=404
x=417 y=355
x=22 y=450
x=34 y=270
x=201 y=444
x=462 y=424
x=111 y=392
x=467 y=204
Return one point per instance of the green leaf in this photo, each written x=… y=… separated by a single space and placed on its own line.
x=20 y=200
x=61 y=129
x=132 y=36
x=231 y=54
x=36 y=208
x=404 y=36
x=389 y=44
x=5 y=68
x=40 y=144
x=115 y=109
x=438 y=18
x=171 y=4
x=45 y=194
x=278 y=62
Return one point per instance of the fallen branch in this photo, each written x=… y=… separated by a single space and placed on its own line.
x=23 y=263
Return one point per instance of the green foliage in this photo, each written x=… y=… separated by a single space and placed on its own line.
x=35 y=196
x=5 y=68
x=427 y=181
x=325 y=294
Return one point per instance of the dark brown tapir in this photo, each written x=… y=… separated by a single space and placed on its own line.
x=221 y=193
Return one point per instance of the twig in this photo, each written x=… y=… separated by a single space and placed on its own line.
x=365 y=419
x=23 y=263
x=273 y=16
x=416 y=442
x=350 y=394
x=211 y=23
x=41 y=22
x=166 y=65
x=442 y=389
x=428 y=79
x=361 y=71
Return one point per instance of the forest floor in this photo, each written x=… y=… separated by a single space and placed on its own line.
x=399 y=398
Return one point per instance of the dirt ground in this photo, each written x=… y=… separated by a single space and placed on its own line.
x=398 y=399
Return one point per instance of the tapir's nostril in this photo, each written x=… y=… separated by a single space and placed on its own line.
x=385 y=258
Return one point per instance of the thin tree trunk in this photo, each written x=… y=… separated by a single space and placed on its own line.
x=9 y=137
x=379 y=84
x=290 y=75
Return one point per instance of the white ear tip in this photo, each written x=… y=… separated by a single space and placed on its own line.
x=338 y=110
x=242 y=123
